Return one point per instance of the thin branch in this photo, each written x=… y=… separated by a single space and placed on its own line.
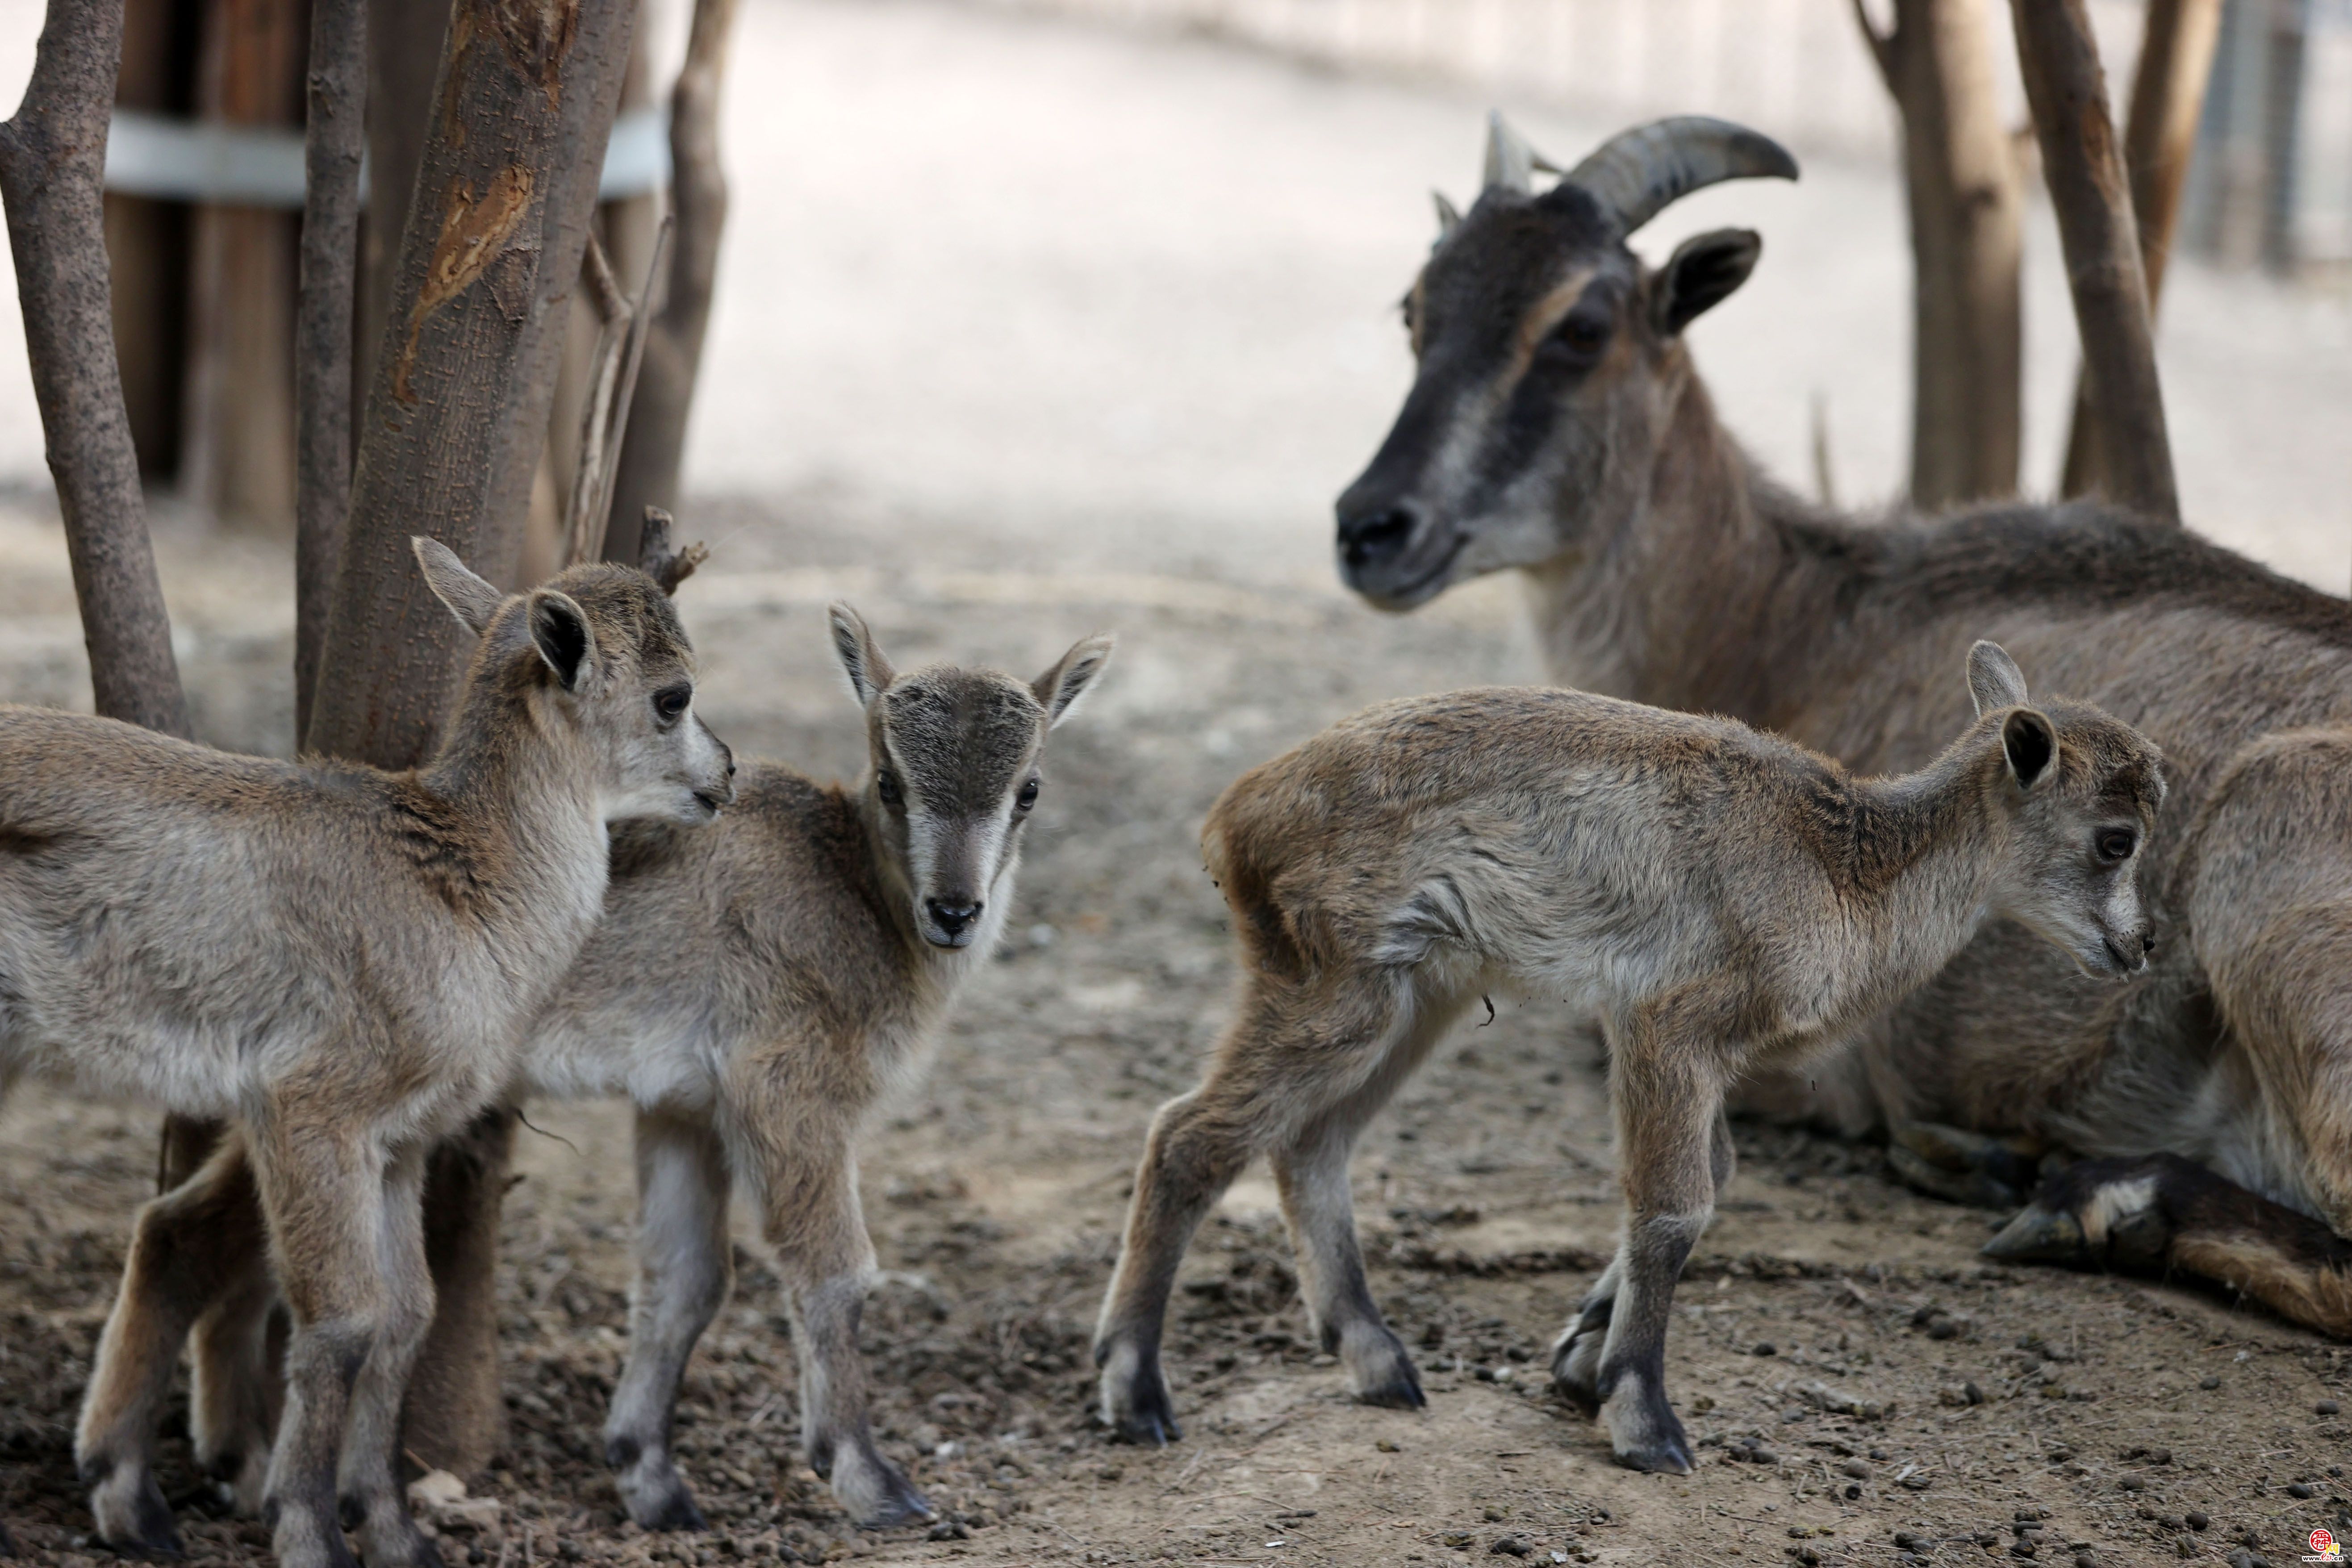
x=52 y=168
x=334 y=139
x=2085 y=171
x=611 y=385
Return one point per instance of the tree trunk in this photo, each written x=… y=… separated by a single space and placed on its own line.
x=2085 y=175
x=52 y=170
x=2176 y=60
x=1965 y=201
x=461 y=376
x=656 y=439
x=334 y=139
x=464 y=368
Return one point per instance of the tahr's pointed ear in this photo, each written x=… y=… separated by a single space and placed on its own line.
x=2030 y=743
x=1060 y=687
x=559 y=629
x=862 y=660
x=1702 y=273
x=1994 y=679
x=658 y=557
x=470 y=599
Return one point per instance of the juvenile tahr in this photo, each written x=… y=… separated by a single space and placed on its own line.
x=756 y=987
x=343 y=960
x=1719 y=899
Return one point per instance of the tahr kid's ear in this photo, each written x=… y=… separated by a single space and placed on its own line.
x=2030 y=743
x=559 y=629
x=1703 y=272
x=470 y=599
x=1994 y=679
x=1060 y=687
x=862 y=660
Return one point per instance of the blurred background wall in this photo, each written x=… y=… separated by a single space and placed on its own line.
x=1110 y=284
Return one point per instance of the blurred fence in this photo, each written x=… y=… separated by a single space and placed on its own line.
x=2278 y=143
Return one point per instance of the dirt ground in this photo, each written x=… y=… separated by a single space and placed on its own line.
x=1861 y=1385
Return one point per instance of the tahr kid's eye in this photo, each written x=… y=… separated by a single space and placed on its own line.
x=2117 y=844
x=670 y=702
x=1026 y=798
x=885 y=784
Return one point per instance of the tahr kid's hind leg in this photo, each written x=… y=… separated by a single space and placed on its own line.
x=1293 y=1057
x=192 y=1249
x=1311 y=1171
x=1665 y=1090
x=685 y=1269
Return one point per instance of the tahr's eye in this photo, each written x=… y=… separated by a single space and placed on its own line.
x=2117 y=843
x=885 y=784
x=670 y=701
x=1027 y=797
x=1581 y=336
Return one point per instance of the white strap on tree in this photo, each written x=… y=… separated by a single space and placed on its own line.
x=206 y=161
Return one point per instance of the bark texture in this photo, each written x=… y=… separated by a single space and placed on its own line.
x=333 y=138
x=2085 y=170
x=2176 y=62
x=523 y=105
x=656 y=437
x=1965 y=199
x=52 y=169
x=403 y=50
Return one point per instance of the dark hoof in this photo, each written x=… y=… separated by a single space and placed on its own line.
x=7 y=1542
x=2039 y=1236
x=1399 y=1391
x=674 y=1511
x=1576 y=1360
x=148 y=1532
x=1144 y=1415
x=2107 y=1213
x=1667 y=1455
x=351 y=1512
x=902 y=1504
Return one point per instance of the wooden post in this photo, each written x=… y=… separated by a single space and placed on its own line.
x=2176 y=60
x=147 y=240
x=2085 y=171
x=1961 y=179
x=241 y=372
x=52 y=174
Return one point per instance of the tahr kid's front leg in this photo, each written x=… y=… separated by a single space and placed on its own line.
x=685 y=1269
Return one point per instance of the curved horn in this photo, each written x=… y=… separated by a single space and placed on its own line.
x=1510 y=162
x=1635 y=173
